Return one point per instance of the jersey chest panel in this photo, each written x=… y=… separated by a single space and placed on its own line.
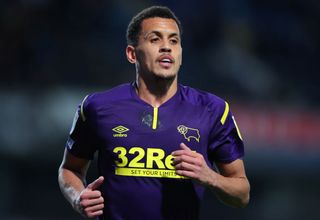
x=138 y=149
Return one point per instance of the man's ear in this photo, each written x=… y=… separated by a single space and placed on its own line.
x=181 y=57
x=131 y=54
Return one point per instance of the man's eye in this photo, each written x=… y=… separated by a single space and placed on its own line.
x=154 y=40
x=174 y=41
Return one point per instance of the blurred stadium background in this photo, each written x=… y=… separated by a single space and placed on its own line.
x=260 y=55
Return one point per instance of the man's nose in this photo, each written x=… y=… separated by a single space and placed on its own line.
x=165 y=48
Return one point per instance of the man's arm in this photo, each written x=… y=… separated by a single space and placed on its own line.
x=86 y=200
x=230 y=185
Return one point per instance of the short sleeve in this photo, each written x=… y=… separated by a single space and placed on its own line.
x=82 y=141
x=226 y=143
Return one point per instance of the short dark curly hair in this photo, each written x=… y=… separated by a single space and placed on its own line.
x=134 y=26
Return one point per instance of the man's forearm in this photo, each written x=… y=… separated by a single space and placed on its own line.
x=71 y=185
x=233 y=191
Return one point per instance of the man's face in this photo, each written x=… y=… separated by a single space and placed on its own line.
x=159 y=49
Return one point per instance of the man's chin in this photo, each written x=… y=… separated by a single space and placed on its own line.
x=169 y=77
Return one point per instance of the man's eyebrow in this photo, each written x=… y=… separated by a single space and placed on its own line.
x=174 y=35
x=152 y=32
x=158 y=33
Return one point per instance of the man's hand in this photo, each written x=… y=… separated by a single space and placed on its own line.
x=90 y=203
x=191 y=164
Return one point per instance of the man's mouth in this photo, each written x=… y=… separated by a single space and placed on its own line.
x=166 y=61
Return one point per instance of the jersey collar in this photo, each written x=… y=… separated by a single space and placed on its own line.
x=171 y=101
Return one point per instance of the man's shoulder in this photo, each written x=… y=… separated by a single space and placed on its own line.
x=109 y=96
x=200 y=97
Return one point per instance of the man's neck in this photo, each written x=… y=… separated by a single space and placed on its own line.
x=157 y=92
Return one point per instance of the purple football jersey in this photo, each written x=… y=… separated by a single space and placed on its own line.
x=134 y=142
